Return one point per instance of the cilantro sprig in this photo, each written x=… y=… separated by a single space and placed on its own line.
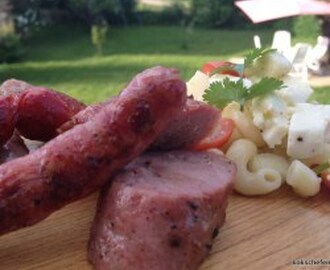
x=255 y=54
x=223 y=92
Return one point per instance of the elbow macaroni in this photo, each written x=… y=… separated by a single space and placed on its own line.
x=261 y=181
x=303 y=180
x=243 y=123
x=269 y=160
x=263 y=173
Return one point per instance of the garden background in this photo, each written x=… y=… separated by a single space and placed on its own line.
x=90 y=49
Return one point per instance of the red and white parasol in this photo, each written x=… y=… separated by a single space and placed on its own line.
x=265 y=10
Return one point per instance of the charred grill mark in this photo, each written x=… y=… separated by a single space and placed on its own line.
x=215 y=233
x=142 y=119
x=193 y=205
x=175 y=241
x=62 y=187
x=208 y=246
x=97 y=162
x=147 y=163
x=36 y=202
x=174 y=226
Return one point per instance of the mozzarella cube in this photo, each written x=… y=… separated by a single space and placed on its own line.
x=306 y=136
x=295 y=91
x=275 y=133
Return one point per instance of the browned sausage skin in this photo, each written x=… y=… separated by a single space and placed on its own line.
x=81 y=160
x=41 y=111
x=8 y=117
x=84 y=115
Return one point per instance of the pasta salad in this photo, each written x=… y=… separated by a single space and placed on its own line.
x=280 y=135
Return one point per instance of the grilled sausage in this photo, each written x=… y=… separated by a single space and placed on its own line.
x=8 y=116
x=41 y=111
x=188 y=128
x=79 y=161
x=10 y=91
x=84 y=115
x=192 y=125
x=161 y=212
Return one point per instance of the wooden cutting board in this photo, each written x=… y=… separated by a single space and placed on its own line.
x=268 y=232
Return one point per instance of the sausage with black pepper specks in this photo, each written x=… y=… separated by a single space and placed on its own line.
x=79 y=161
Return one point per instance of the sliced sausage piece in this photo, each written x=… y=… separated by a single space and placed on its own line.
x=8 y=116
x=79 y=161
x=162 y=212
x=41 y=111
x=10 y=91
x=188 y=128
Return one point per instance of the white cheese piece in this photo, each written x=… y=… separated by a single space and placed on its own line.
x=200 y=82
x=295 y=91
x=272 y=64
x=197 y=85
x=270 y=116
x=320 y=159
x=322 y=109
x=306 y=137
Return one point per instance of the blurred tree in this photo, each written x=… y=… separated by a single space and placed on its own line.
x=10 y=45
x=28 y=12
x=306 y=27
x=115 y=11
x=212 y=13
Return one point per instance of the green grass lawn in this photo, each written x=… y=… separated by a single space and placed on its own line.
x=322 y=94
x=62 y=57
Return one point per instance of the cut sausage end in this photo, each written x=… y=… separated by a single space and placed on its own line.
x=162 y=212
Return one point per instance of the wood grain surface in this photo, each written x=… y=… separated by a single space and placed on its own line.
x=268 y=232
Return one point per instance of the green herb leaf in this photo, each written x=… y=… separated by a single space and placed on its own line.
x=256 y=54
x=321 y=168
x=222 y=93
x=264 y=87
